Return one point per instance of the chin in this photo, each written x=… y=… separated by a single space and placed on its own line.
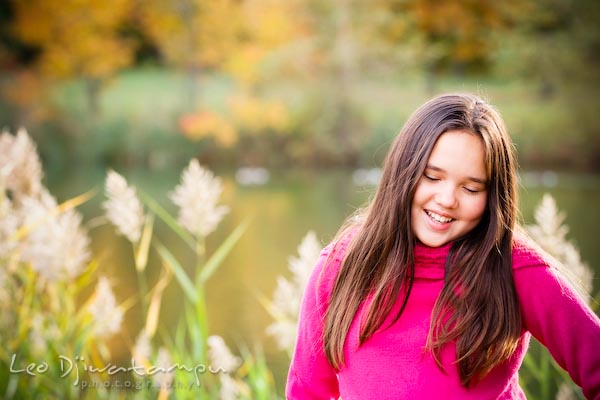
x=433 y=242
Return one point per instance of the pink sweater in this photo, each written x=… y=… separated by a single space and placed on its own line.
x=392 y=363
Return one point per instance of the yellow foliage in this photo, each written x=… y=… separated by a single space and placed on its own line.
x=243 y=64
x=271 y=23
x=267 y=25
x=76 y=37
x=229 y=34
x=208 y=124
x=254 y=115
x=193 y=33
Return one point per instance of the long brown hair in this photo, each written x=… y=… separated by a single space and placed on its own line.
x=477 y=307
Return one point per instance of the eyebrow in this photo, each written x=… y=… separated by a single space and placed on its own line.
x=471 y=178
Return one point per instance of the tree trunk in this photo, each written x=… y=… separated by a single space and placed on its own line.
x=92 y=88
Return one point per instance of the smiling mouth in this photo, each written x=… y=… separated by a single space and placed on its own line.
x=438 y=218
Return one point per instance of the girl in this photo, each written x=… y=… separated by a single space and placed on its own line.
x=431 y=293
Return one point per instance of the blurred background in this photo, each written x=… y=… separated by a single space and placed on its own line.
x=294 y=104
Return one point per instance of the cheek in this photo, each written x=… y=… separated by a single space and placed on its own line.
x=421 y=195
x=476 y=208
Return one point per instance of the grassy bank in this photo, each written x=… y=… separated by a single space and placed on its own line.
x=141 y=116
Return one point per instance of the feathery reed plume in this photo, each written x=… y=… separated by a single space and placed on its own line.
x=57 y=245
x=308 y=254
x=9 y=223
x=550 y=233
x=197 y=196
x=229 y=388
x=37 y=341
x=20 y=166
x=565 y=392
x=43 y=330
x=220 y=356
x=123 y=208
x=549 y=230
x=10 y=293
x=103 y=308
x=142 y=349
x=285 y=305
x=222 y=359
x=5 y=295
x=163 y=379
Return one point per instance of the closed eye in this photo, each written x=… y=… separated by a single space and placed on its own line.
x=430 y=178
x=472 y=191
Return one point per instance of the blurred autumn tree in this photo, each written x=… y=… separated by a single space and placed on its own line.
x=294 y=78
x=555 y=44
x=349 y=128
x=76 y=39
x=450 y=36
x=192 y=35
x=351 y=41
x=233 y=38
x=329 y=58
x=557 y=41
x=7 y=56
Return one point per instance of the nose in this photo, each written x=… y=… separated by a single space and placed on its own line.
x=446 y=196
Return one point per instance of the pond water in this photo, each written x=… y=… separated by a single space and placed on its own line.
x=283 y=210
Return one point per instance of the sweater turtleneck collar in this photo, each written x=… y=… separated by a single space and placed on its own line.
x=430 y=262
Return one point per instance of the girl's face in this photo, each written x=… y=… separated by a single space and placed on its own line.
x=451 y=196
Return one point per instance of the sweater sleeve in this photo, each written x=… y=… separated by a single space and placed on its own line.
x=558 y=318
x=310 y=375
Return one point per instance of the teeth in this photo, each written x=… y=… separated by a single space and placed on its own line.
x=439 y=218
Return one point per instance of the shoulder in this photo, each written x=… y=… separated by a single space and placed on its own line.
x=337 y=249
x=532 y=264
x=526 y=253
x=332 y=256
x=323 y=277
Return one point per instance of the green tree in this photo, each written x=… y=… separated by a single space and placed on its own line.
x=555 y=45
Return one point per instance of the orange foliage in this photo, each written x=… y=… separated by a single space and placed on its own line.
x=249 y=115
x=27 y=91
x=464 y=25
x=76 y=37
x=208 y=124
x=254 y=115
x=460 y=30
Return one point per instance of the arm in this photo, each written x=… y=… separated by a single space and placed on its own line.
x=562 y=322
x=310 y=375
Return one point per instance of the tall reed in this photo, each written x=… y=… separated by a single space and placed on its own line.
x=58 y=312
